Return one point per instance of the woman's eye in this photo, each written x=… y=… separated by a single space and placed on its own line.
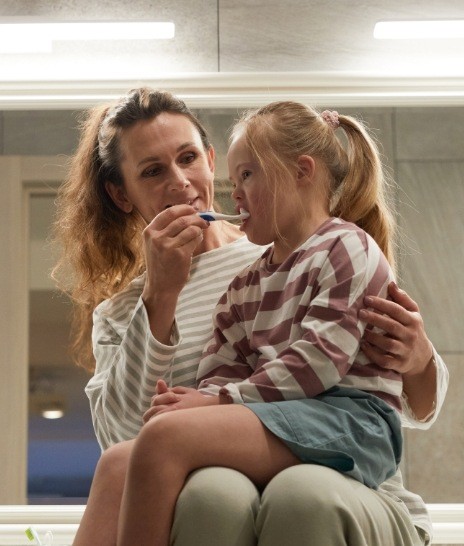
x=245 y=174
x=188 y=158
x=152 y=171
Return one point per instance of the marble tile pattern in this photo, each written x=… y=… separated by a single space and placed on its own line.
x=231 y=35
x=194 y=49
x=327 y=35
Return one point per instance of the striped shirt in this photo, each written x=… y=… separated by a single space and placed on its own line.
x=129 y=359
x=290 y=331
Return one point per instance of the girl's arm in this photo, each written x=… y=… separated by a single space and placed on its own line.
x=326 y=346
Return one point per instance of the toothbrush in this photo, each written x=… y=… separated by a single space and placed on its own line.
x=32 y=534
x=211 y=216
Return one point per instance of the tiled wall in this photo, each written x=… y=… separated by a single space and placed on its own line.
x=425 y=149
x=429 y=149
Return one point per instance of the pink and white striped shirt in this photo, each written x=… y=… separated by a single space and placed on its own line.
x=290 y=331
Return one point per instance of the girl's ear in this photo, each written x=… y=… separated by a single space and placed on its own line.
x=306 y=169
x=119 y=197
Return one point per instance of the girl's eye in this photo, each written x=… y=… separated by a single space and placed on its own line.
x=246 y=174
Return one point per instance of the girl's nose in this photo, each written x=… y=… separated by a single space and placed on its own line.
x=236 y=194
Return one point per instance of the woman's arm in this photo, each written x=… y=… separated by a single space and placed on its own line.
x=406 y=348
x=135 y=338
x=170 y=240
x=129 y=362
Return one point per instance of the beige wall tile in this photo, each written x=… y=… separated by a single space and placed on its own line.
x=431 y=211
x=292 y=36
x=434 y=458
x=194 y=49
x=427 y=134
x=39 y=132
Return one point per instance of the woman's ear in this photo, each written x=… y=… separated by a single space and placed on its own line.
x=306 y=169
x=211 y=157
x=119 y=197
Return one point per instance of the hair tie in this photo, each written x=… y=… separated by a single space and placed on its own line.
x=331 y=118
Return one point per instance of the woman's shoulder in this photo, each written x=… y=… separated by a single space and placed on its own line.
x=237 y=253
x=124 y=300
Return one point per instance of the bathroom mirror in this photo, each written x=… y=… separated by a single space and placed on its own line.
x=427 y=166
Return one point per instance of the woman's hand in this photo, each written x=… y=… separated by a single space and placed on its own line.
x=170 y=240
x=405 y=346
x=176 y=398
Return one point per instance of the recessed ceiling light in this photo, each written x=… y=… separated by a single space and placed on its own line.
x=52 y=413
x=38 y=37
x=419 y=30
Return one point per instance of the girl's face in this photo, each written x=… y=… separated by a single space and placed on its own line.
x=284 y=215
x=251 y=192
x=164 y=163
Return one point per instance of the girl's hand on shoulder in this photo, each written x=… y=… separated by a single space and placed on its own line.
x=405 y=346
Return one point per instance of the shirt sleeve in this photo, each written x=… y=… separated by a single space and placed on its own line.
x=129 y=361
x=330 y=334
x=409 y=420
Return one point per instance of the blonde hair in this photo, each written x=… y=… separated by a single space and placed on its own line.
x=100 y=245
x=279 y=133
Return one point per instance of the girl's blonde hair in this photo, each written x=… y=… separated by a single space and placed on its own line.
x=279 y=133
x=100 y=246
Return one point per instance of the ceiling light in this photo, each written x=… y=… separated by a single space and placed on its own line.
x=54 y=411
x=419 y=30
x=38 y=37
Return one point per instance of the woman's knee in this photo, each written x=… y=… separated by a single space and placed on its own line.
x=304 y=486
x=216 y=506
x=303 y=505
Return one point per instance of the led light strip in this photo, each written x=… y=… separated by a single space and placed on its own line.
x=16 y=37
x=419 y=30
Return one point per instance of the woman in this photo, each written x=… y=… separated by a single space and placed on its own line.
x=146 y=164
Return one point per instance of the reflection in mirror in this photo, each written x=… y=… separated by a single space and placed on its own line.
x=428 y=168
x=62 y=449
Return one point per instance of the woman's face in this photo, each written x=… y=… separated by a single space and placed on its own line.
x=164 y=163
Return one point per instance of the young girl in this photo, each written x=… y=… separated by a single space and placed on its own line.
x=302 y=190
x=288 y=326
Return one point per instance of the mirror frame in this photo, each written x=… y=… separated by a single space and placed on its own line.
x=244 y=89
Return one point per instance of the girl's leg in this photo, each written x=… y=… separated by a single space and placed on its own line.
x=100 y=520
x=172 y=445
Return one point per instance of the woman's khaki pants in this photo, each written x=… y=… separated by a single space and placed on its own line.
x=306 y=505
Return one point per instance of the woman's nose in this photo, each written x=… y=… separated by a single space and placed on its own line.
x=178 y=180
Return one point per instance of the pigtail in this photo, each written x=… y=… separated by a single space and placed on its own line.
x=361 y=195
